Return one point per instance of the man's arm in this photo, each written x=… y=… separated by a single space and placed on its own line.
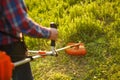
x=15 y=13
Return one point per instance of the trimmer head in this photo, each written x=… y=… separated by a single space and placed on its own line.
x=78 y=50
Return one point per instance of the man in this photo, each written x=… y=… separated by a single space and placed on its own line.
x=13 y=22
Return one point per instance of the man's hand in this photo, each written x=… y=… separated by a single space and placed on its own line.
x=53 y=34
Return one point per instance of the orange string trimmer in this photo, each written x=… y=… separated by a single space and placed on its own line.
x=6 y=65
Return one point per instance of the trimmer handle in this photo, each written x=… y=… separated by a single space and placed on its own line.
x=53 y=25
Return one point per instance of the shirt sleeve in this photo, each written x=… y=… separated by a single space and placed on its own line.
x=16 y=15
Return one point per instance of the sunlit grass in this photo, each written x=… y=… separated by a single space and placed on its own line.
x=95 y=23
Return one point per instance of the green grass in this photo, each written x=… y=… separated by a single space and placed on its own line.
x=96 y=23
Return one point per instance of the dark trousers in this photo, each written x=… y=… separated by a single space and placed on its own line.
x=17 y=51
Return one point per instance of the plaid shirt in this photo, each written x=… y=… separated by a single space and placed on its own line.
x=14 y=20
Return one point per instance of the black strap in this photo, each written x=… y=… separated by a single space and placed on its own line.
x=11 y=35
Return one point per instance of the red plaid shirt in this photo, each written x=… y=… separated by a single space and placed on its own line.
x=14 y=20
